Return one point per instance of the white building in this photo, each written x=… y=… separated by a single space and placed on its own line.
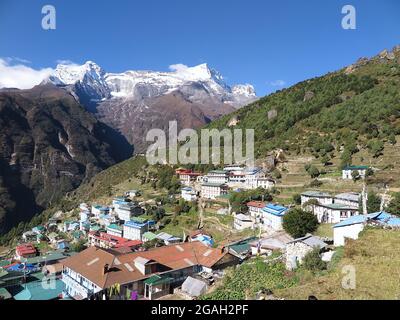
x=351 y=199
x=134 y=230
x=297 y=249
x=255 y=209
x=76 y=285
x=242 y=222
x=321 y=197
x=127 y=211
x=272 y=216
x=265 y=183
x=332 y=213
x=347 y=172
x=97 y=210
x=213 y=190
x=217 y=177
x=188 y=194
x=115 y=230
x=188 y=177
x=252 y=175
x=351 y=228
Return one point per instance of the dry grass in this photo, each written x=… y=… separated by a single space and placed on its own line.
x=376 y=259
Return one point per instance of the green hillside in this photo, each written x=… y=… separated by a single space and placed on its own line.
x=355 y=108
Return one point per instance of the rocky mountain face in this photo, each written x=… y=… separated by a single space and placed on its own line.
x=49 y=144
x=134 y=102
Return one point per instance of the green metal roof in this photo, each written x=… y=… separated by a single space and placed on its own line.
x=5 y=294
x=206 y=184
x=149 y=235
x=156 y=280
x=115 y=227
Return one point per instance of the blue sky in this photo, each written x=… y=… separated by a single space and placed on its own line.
x=266 y=43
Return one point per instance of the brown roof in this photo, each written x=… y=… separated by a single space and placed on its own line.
x=257 y=204
x=90 y=262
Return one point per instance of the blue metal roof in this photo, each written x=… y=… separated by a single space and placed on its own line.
x=133 y=224
x=382 y=217
x=275 y=209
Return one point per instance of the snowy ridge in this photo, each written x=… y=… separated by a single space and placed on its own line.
x=137 y=85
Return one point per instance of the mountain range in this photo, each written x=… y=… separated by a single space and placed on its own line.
x=134 y=102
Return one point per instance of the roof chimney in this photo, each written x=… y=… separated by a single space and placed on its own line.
x=105 y=269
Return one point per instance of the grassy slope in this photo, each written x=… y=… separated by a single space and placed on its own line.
x=376 y=259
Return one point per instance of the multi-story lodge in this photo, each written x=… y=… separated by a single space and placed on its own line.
x=255 y=209
x=126 y=211
x=272 y=216
x=213 y=190
x=217 y=177
x=321 y=197
x=333 y=213
x=187 y=177
x=134 y=230
x=108 y=241
x=103 y=274
x=351 y=199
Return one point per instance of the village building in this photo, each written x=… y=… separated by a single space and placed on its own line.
x=193 y=287
x=100 y=274
x=188 y=177
x=252 y=175
x=98 y=210
x=351 y=199
x=351 y=227
x=242 y=222
x=26 y=250
x=115 y=230
x=348 y=171
x=332 y=213
x=255 y=209
x=265 y=183
x=134 y=230
x=108 y=241
x=272 y=216
x=217 y=177
x=321 y=197
x=127 y=210
x=188 y=194
x=213 y=190
x=148 y=236
x=168 y=239
x=297 y=249
x=273 y=243
x=133 y=193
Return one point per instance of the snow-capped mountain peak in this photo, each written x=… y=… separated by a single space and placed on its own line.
x=72 y=73
x=194 y=82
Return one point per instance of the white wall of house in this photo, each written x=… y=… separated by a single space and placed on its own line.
x=272 y=221
x=212 y=192
x=329 y=215
x=241 y=224
x=346 y=174
x=322 y=200
x=341 y=233
x=134 y=233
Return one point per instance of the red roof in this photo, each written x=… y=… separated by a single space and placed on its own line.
x=256 y=204
x=25 y=249
x=118 y=242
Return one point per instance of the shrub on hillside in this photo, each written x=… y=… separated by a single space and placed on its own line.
x=313 y=261
x=298 y=223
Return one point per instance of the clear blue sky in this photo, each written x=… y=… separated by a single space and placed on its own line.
x=255 y=41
